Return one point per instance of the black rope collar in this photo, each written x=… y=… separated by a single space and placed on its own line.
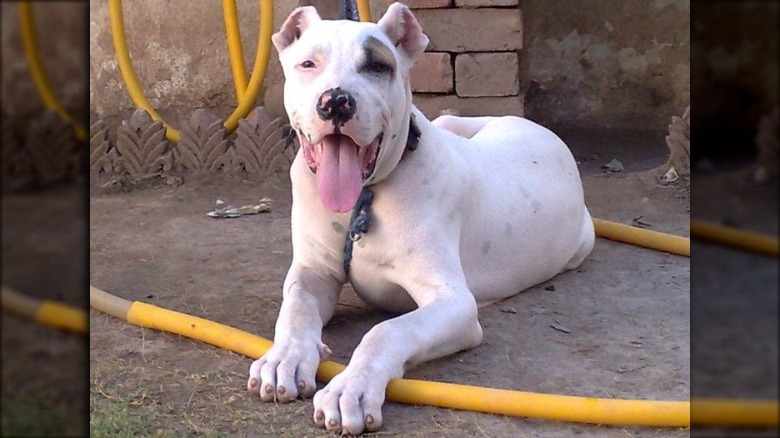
x=361 y=218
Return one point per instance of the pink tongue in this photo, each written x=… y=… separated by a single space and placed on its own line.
x=339 y=179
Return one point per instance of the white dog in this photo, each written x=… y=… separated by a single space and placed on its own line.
x=465 y=211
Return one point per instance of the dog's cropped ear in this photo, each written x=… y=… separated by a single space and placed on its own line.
x=294 y=26
x=404 y=31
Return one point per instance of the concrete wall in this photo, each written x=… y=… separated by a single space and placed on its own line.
x=736 y=64
x=62 y=43
x=581 y=62
x=179 y=53
x=606 y=63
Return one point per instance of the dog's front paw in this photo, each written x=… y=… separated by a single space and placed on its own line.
x=287 y=371
x=351 y=402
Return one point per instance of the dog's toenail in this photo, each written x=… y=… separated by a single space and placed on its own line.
x=269 y=389
x=369 y=419
x=252 y=382
x=319 y=415
x=301 y=385
x=332 y=422
x=281 y=390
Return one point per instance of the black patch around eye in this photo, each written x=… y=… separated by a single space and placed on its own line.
x=377 y=67
x=379 y=58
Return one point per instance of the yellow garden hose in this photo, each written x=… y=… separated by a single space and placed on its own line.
x=45 y=312
x=592 y=410
x=364 y=10
x=516 y=403
x=126 y=67
x=743 y=239
x=260 y=68
x=641 y=237
x=725 y=413
x=249 y=96
x=235 y=48
x=735 y=413
x=702 y=412
x=42 y=85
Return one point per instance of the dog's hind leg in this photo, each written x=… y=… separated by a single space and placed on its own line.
x=463 y=126
x=587 y=240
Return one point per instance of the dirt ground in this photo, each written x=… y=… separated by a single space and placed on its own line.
x=616 y=327
x=735 y=294
x=43 y=255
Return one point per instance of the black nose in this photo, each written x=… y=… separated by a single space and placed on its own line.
x=336 y=105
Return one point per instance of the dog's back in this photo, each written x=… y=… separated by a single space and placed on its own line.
x=527 y=218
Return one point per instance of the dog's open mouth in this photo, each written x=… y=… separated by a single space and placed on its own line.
x=341 y=166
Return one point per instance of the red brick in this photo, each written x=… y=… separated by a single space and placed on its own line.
x=486 y=74
x=423 y=4
x=432 y=73
x=472 y=30
x=485 y=3
x=432 y=105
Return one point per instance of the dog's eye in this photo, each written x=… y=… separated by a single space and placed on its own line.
x=308 y=64
x=377 y=67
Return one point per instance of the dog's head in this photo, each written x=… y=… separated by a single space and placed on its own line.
x=348 y=97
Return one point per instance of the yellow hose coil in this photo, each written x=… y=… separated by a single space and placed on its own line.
x=126 y=67
x=735 y=413
x=727 y=413
x=42 y=85
x=702 y=412
x=235 y=48
x=449 y=395
x=136 y=91
x=63 y=316
x=642 y=237
x=260 y=68
x=364 y=10
x=46 y=312
x=743 y=239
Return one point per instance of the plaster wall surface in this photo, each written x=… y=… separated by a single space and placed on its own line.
x=603 y=63
x=583 y=63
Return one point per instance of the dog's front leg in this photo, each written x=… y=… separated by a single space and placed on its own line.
x=287 y=370
x=445 y=322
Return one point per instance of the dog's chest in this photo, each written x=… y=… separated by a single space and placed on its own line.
x=373 y=273
x=371 y=257
x=375 y=260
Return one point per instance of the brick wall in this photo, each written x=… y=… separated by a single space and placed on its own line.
x=471 y=66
